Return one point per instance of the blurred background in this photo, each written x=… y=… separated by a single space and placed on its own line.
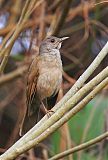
x=86 y=24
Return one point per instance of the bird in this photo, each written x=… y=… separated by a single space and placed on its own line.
x=43 y=80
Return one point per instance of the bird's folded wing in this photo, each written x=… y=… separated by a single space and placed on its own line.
x=32 y=78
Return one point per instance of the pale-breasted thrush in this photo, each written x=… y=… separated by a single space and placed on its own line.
x=44 y=78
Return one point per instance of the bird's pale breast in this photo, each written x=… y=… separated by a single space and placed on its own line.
x=50 y=77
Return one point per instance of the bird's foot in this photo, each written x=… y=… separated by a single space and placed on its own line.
x=49 y=113
x=46 y=111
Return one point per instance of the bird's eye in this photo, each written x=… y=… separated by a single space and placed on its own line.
x=52 y=40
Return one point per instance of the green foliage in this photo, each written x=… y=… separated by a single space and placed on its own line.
x=55 y=142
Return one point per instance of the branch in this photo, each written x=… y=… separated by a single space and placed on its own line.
x=62 y=17
x=80 y=147
x=5 y=51
x=14 y=74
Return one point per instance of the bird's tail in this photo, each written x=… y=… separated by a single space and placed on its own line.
x=31 y=117
x=28 y=122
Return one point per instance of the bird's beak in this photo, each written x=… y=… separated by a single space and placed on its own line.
x=64 y=38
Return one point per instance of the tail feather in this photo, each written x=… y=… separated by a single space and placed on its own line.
x=28 y=122
x=31 y=117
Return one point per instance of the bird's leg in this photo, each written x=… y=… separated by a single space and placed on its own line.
x=48 y=112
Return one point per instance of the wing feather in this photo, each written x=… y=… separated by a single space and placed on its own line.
x=32 y=78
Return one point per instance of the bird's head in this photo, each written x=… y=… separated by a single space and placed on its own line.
x=51 y=44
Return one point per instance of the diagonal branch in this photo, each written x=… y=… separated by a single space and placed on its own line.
x=5 y=51
x=62 y=17
x=14 y=74
x=80 y=147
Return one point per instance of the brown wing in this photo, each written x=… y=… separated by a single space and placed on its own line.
x=33 y=74
x=31 y=116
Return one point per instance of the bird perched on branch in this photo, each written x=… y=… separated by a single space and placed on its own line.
x=44 y=79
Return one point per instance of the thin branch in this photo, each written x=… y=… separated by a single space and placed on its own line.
x=62 y=17
x=24 y=16
x=17 y=27
x=80 y=147
x=88 y=124
x=14 y=74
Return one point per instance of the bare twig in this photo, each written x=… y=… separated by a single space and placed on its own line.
x=62 y=17
x=14 y=74
x=81 y=147
x=29 y=5
x=55 y=5
x=88 y=124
